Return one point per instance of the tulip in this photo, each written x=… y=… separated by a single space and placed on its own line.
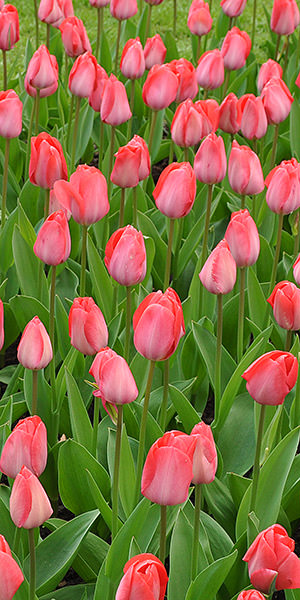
x=277 y=100
x=10 y=573
x=88 y=199
x=285 y=17
x=189 y=124
x=53 y=12
x=10 y=114
x=125 y=256
x=29 y=504
x=209 y=110
x=254 y=122
x=60 y=198
x=210 y=161
x=47 y=161
x=296 y=269
x=95 y=97
x=154 y=51
x=123 y=10
x=115 y=108
x=144 y=576
x=283 y=183
x=242 y=238
x=83 y=75
x=1 y=325
x=233 y=8
x=26 y=445
x=132 y=63
x=34 y=349
x=230 y=114
x=285 y=301
x=42 y=73
x=99 y=3
x=53 y=242
x=160 y=87
x=244 y=170
x=125 y=173
x=158 y=325
x=199 y=18
x=271 y=377
x=168 y=470
x=154 y=2
x=74 y=37
x=272 y=555
x=218 y=274
x=113 y=378
x=210 y=70
x=187 y=82
x=175 y=191
x=235 y=49
x=9 y=27
x=250 y=595
x=205 y=459
x=140 y=147
x=87 y=328
x=269 y=69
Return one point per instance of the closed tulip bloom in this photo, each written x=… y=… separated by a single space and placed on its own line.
x=285 y=301
x=160 y=87
x=89 y=200
x=168 y=470
x=53 y=242
x=158 y=325
x=188 y=125
x=47 y=161
x=175 y=191
x=87 y=327
x=60 y=198
x=74 y=37
x=125 y=256
x=53 y=12
x=99 y=3
x=283 y=183
x=230 y=115
x=139 y=145
x=243 y=239
x=269 y=69
x=42 y=73
x=34 y=349
x=199 y=18
x=154 y=51
x=95 y=97
x=115 y=108
x=254 y=122
x=29 y=504
x=114 y=379
x=10 y=573
x=205 y=460
x=210 y=110
x=218 y=275
x=123 y=9
x=235 y=49
x=285 y=17
x=10 y=114
x=250 y=595
x=244 y=170
x=271 y=377
x=83 y=75
x=233 y=8
x=144 y=577
x=210 y=70
x=277 y=100
x=187 y=81
x=210 y=161
x=296 y=270
x=9 y=27
x=132 y=63
x=125 y=172
x=272 y=555
x=26 y=445
x=1 y=325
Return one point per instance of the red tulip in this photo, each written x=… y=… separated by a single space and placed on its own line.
x=47 y=161
x=199 y=18
x=115 y=108
x=233 y=8
x=160 y=87
x=29 y=504
x=244 y=170
x=34 y=349
x=88 y=197
x=283 y=183
x=285 y=301
x=269 y=69
x=243 y=239
x=250 y=595
x=235 y=49
x=10 y=114
x=175 y=191
x=154 y=51
x=114 y=379
x=53 y=242
x=125 y=256
x=277 y=100
x=9 y=27
x=144 y=577
x=285 y=17
x=26 y=445
x=158 y=325
x=132 y=63
x=210 y=70
x=205 y=460
x=42 y=73
x=95 y=97
x=83 y=75
x=187 y=81
x=218 y=274
x=271 y=377
x=254 y=122
x=123 y=10
x=87 y=327
x=53 y=12
x=210 y=161
x=230 y=114
x=10 y=573
x=74 y=37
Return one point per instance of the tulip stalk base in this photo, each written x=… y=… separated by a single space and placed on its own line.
x=4 y=70
x=117 y=47
x=51 y=335
x=83 y=261
x=122 y=206
x=115 y=489
x=169 y=255
x=4 y=183
x=257 y=459
x=163 y=532
x=34 y=392
x=101 y=143
x=32 y=577
x=75 y=132
x=30 y=127
x=142 y=439
x=195 y=551
x=218 y=356
x=152 y=128
x=37 y=111
x=274 y=147
x=134 y=207
x=204 y=250
x=95 y=425
x=129 y=126
x=128 y=323
x=275 y=264
x=240 y=334
x=164 y=405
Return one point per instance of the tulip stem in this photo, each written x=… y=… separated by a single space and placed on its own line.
x=134 y=207
x=122 y=205
x=101 y=140
x=4 y=182
x=75 y=131
x=83 y=261
x=253 y=24
x=257 y=458
x=67 y=71
x=198 y=49
x=288 y=340
x=243 y=201
x=274 y=147
x=70 y=121
x=95 y=425
x=148 y=23
x=142 y=439
x=218 y=356
x=46 y=203
x=152 y=127
x=275 y=265
x=32 y=576
x=4 y=70
x=115 y=489
x=277 y=46
x=128 y=323
x=195 y=550
x=51 y=335
x=171 y=151
x=117 y=47
x=29 y=138
x=129 y=126
x=48 y=36
x=34 y=392
x=37 y=41
x=169 y=255
x=164 y=404
x=186 y=155
x=111 y=158
x=163 y=532
x=240 y=333
x=37 y=111
x=99 y=32
x=286 y=55
x=204 y=250
x=177 y=249
x=226 y=82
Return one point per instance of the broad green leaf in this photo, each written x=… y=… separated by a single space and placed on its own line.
x=25 y=308
x=102 y=286
x=80 y=422
x=256 y=299
x=220 y=504
x=295 y=129
x=27 y=266
x=186 y=412
x=62 y=328
x=238 y=456
x=103 y=585
x=71 y=592
x=102 y=505
x=86 y=121
x=209 y=581
x=127 y=476
x=6 y=250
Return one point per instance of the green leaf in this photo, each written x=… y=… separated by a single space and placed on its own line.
x=186 y=412
x=27 y=266
x=127 y=476
x=256 y=299
x=86 y=121
x=102 y=505
x=6 y=251
x=71 y=592
x=209 y=581
x=102 y=286
x=295 y=129
x=81 y=425
x=238 y=457
x=25 y=308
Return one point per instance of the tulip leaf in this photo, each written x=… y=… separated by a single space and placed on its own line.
x=237 y=83
x=62 y=328
x=70 y=592
x=256 y=299
x=25 y=308
x=295 y=129
x=86 y=121
x=209 y=581
x=186 y=412
x=6 y=250
x=101 y=282
x=238 y=457
x=103 y=585
x=102 y=505
x=55 y=554
x=81 y=425
x=127 y=476
x=148 y=228
x=27 y=266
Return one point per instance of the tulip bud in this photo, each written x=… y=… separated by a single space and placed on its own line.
x=210 y=70
x=187 y=81
x=189 y=124
x=87 y=327
x=34 y=349
x=132 y=63
x=235 y=49
x=233 y=8
x=144 y=574
x=175 y=191
x=199 y=18
x=10 y=114
x=285 y=301
x=42 y=73
x=88 y=198
x=83 y=75
x=125 y=256
x=11 y=575
x=53 y=12
x=296 y=269
x=210 y=161
x=47 y=161
x=285 y=17
x=244 y=170
x=154 y=52
x=74 y=37
x=123 y=10
x=53 y=242
x=160 y=87
x=283 y=183
x=269 y=69
x=29 y=504
x=26 y=445
x=209 y=109
x=230 y=114
x=115 y=108
x=271 y=377
x=9 y=27
x=114 y=379
x=242 y=238
x=205 y=460
x=60 y=198
x=95 y=97
x=139 y=145
x=250 y=595
x=218 y=274
x=254 y=122
x=277 y=100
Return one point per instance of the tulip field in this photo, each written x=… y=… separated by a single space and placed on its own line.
x=149 y=300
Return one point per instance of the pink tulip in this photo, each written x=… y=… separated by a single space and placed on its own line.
x=132 y=63
x=53 y=242
x=34 y=349
x=74 y=37
x=87 y=328
x=114 y=379
x=269 y=69
x=125 y=256
x=42 y=73
x=47 y=161
x=29 y=504
x=10 y=114
x=189 y=124
x=9 y=27
x=99 y=3
x=95 y=97
x=218 y=274
x=285 y=301
x=244 y=170
x=233 y=8
x=285 y=17
x=115 y=108
x=154 y=51
x=210 y=161
x=83 y=75
x=210 y=70
x=88 y=196
x=277 y=100
x=10 y=573
x=26 y=445
x=187 y=81
x=121 y=9
x=235 y=49
x=230 y=114
x=144 y=577
x=254 y=122
x=283 y=183
x=160 y=87
x=205 y=460
x=243 y=239
x=175 y=191
x=199 y=18
x=271 y=377
x=53 y=12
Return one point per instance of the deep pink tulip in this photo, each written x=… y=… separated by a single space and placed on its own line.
x=26 y=445
x=271 y=377
x=188 y=125
x=205 y=460
x=283 y=183
x=115 y=108
x=285 y=17
x=139 y=145
x=87 y=328
x=277 y=100
x=95 y=97
x=244 y=170
x=74 y=37
x=296 y=270
x=60 y=198
x=154 y=51
x=10 y=573
x=132 y=163
x=250 y=595
x=175 y=191
x=243 y=239
x=132 y=63
x=47 y=161
x=9 y=27
x=187 y=81
x=83 y=75
x=254 y=122
x=210 y=70
x=160 y=87
x=29 y=504
x=230 y=115
x=233 y=8
x=210 y=161
x=53 y=12
x=10 y=114
x=125 y=256
x=199 y=18
x=34 y=349
x=269 y=69
x=88 y=198
x=285 y=301
x=144 y=577
x=218 y=275
x=42 y=73
x=121 y=9
x=210 y=112
x=53 y=242
x=235 y=49
x=114 y=379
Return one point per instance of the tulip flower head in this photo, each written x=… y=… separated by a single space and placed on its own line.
x=244 y=170
x=210 y=70
x=29 y=504
x=230 y=115
x=187 y=81
x=269 y=69
x=47 y=161
x=34 y=349
x=123 y=10
x=218 y=275
x=283 y=183
x=114 y=379
x=205 y=460
x=87 y=328
x=88 y=195
x=42 y=73
x=74 y=37
x=271 y=377
x=83 y=75
x=53 y=242
x=285 y=17
x=115 y=108
x=175 y=191
x=235 y=49
x=160 y=87
x=125 y=256
x=154 y=51
x=11 y=575
x=285 y=301
x=144 y=577
x=210 y=161
x=26 y=445
x=132 y=63
x=243 y=239
x=254 y=122
x=277 y=100
x=10 y=114
x=9 y=27
x=199 y=18
x=233 y=8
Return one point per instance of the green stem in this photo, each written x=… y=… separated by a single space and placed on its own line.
x=275 y=265
x=37 y=111
x=164 y=404
x=34 y=392
x=32 y=576
x=195 y=550
x=111 y=158
x=48 y=36
x=204 y=250
x=28 y=149
x=274 y=147
x=148 y=23
x=171 y=151
x=75 y=132
x=218 y=356
x=240 y=334
x=37 y=42
x=128 y=323
x=83 y=261
x=298 y=49
x=129 y=125
x=186 y=154
x=177 y=249
x=16 y=541
x=286 y=55
x=99 y=32
x=70 y=121
x=295 y=414
x=4 y=70
x=169 y=255
x=67 y=72
x=122 y=206
x=163 y=532
x=117 y=47
x=253 y=24
x=226 y=82
x=297 y=234
x=257 y=458
x=115 y=489
x=51 y=335
x=101 y=143
x=142 y=439
x=134 y=207
x=277 y=47
x=46 y=203
x=152 y=128
x=288 y=340
x=198 y=49
x=243 y=202
x=95 y=425
x=4 y=182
